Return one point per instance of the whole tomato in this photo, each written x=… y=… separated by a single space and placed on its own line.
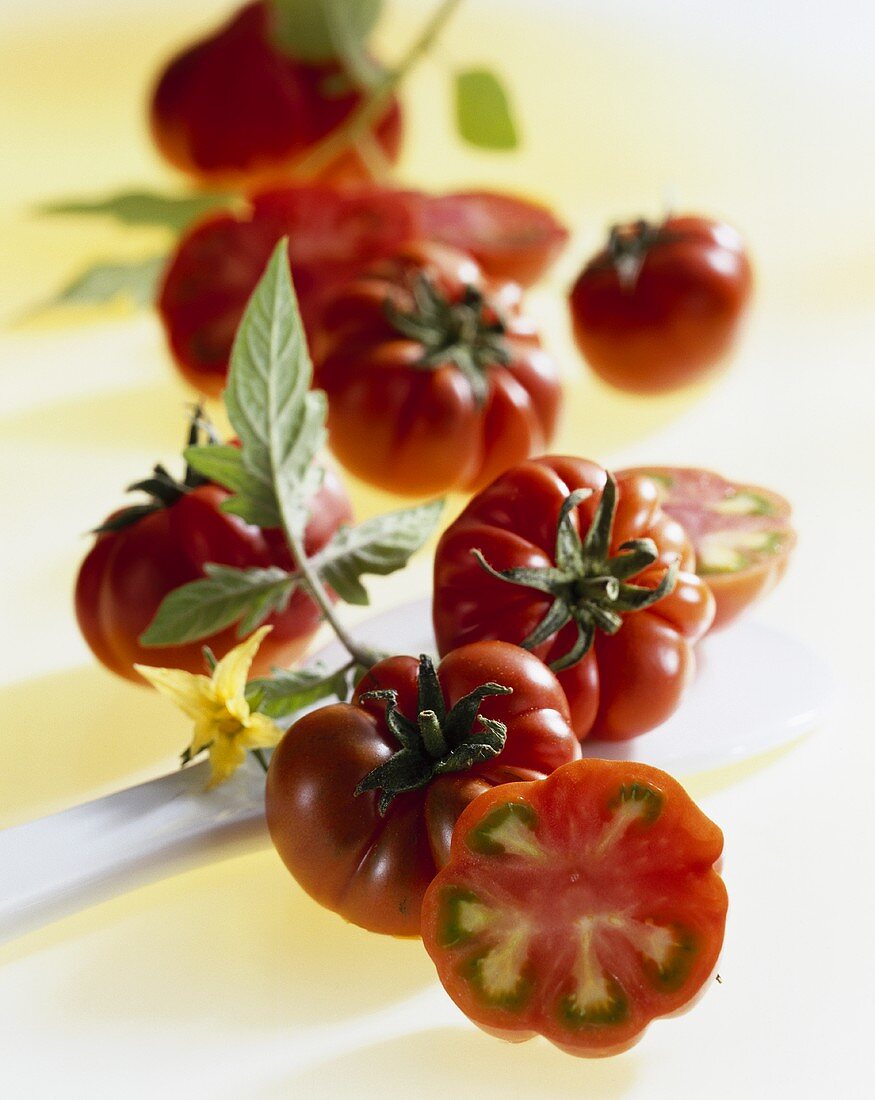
x=435 y=378
x=234 y=110
x=332 y=235
x=591 y=575
x=741 y=533
x=362 y=798
x=661 y=305
x=145 y=551
x=579 y=907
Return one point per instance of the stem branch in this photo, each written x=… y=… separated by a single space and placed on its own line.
x=324 y=152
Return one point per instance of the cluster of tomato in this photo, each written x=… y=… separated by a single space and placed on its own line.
x=573 y=898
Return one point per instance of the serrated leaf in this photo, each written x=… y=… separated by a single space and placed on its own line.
x=279 y=420
x=225 y=596
x=378 y=546
x=136 y=280
x=286 y=692
x=173 y=212
x=223 y=464
x=322 y=30
x=483 y=113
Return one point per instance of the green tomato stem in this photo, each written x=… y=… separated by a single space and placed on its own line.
x=371 y=108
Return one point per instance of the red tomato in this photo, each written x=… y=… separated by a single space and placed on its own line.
x=660 y=306
x=435 y=378
x=235 y=111
x=623 y=651
x=129 y=571
x=332 y=235
x=510 y=237
x=463 y=734
x=579 y=907
x=741 y=533
x=218 y=263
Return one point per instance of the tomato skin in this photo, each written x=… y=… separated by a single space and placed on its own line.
x=419 y=431
x=694 y=497
x=627 y=683
x=374 y=870
x=511 y=238
x=234 y=111
x=127 y=573
x=577 y=870
x=674 y=321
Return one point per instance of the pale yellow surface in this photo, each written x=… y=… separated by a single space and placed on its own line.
x=227 y=981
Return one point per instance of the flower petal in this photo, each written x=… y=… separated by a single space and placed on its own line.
x=229 y=675
x=226 y=756
x=193 y=694
x=260 y=732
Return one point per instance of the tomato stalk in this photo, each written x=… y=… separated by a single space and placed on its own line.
x=326 y=151
x=362 y=655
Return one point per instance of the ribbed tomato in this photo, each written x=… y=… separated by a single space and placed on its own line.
x=234 y=110
x=146 y=551
x=435 y=377
x=362 y=797
x=661 y=305
x=544 y=556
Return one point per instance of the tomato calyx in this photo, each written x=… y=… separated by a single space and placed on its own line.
x=438 y=741
x=588 y=584
x=468 y=333
x=162 y=488
x=628 y=245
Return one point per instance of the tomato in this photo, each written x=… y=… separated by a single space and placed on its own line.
x=362 y=823
x=579 y=907
x=332 y=235
x=510 y=237
x=435 y=378
x=218 y=263
x=145 y=552
x=741 y=533
x=233 y=110
x=544 y=556
x=661 y=305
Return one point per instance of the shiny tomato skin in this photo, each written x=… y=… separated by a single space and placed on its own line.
x=709 y=507
x=511 y=238
x=233 y=111
x=127 y=574
x=219 y=261
x=374 y=870
x=598 y=912
x=627 y=683
x=676 y=319
x=416 y=431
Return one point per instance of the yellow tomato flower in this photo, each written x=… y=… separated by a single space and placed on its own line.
x=223 y=721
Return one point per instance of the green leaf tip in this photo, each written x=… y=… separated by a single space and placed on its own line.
x=483 y=113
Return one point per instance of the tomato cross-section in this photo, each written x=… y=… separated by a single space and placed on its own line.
x=579 y=907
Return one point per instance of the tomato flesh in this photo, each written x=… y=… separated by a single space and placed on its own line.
x=741 y=533
x=579 y=907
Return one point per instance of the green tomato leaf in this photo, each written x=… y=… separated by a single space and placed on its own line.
x=135 y=280
x=483 y=113
x=322 y=30
x=222 y=463
x=378 y=546
x=280 y=422
x=223 y=597
x=285 y=693
x=173 y=212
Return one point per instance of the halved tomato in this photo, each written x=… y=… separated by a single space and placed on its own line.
x=741 y=533
x=579 y=907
